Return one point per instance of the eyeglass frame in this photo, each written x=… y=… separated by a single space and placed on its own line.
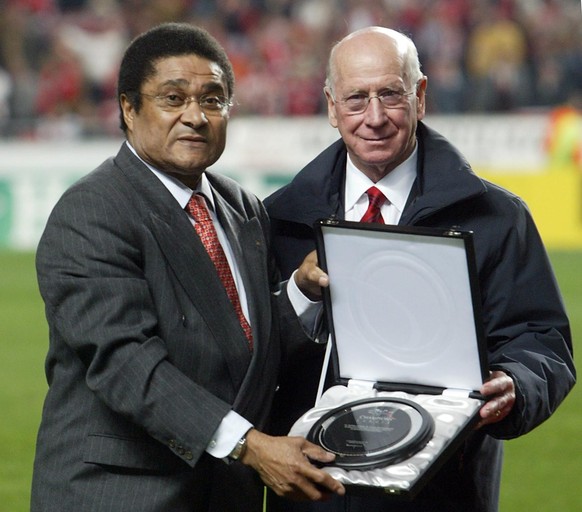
x=369 y=98
x=226 y=102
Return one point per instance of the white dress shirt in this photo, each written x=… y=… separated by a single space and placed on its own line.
x=396 y=186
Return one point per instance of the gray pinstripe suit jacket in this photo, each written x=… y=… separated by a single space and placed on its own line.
x=146 y=353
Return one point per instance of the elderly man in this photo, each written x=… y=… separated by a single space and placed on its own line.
x=165 y=311
x=391 y=167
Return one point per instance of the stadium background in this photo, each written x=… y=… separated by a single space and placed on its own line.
x=505 y=81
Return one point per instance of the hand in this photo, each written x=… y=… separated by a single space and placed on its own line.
x=310 y=278
x=283 y=464
x=501 y=388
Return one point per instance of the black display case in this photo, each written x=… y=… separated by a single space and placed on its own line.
x=406 y=349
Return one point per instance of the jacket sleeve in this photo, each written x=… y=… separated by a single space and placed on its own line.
x=526 y=325
x=101 y=310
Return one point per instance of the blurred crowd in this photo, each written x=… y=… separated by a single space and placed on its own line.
x=58 y=58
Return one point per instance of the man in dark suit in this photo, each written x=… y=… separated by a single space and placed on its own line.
x=160 y=380
x=376 y=93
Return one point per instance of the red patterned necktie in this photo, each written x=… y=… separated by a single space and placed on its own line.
x=376 y=200
x=207 y=233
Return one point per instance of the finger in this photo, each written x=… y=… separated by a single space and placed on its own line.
x=310 y=280
x=494 y=387
x=308 y=485
x=317 y=453
x=496 y=410
x=493 y=409
x=320 y=481
x=498 y=383
x=316 y=275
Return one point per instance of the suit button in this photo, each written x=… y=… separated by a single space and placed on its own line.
x=188 y=456
x=180 y=450
x=172 y=443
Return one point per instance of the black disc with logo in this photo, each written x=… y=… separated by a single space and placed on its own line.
x=373 y=432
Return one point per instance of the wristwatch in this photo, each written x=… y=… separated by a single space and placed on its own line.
x=239 y=449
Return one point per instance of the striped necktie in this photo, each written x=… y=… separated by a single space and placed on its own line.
x=207 y=233
x=376 y=200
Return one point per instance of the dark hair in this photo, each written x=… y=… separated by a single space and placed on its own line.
x=166 y=40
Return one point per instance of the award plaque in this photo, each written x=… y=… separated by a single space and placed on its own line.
x=373 y=432
x=406 y=354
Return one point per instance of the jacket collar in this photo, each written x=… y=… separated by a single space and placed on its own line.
x=444 y=177
x=315 y=192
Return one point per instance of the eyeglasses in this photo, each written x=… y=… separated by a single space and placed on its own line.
x=358 y=103
x=211 y=104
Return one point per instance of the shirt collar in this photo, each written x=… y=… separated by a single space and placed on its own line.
x=396 y=185
x=179 y=191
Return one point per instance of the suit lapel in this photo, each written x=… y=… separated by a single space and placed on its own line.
x=247 y=243
x=190 y=263
x=195 y=272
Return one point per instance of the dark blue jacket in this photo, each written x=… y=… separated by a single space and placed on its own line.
x=525 y=324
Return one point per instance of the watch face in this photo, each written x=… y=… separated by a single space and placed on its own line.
x=373 y=432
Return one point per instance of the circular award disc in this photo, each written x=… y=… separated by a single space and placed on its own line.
x=374 y=432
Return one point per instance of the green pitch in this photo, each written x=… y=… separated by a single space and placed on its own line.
x=542 y=469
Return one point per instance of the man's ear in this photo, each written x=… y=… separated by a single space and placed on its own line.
x=331 y=107
x=421 y=98
x=128 y=110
